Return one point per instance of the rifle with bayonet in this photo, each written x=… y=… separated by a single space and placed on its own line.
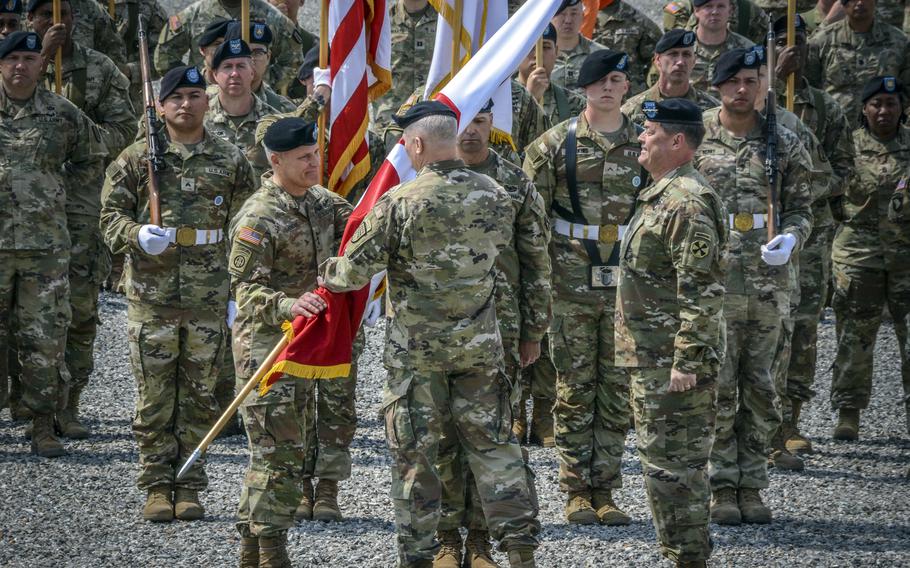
x=771 y=165
x=154 y=159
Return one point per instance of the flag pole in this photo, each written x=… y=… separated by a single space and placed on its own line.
x=538 y=58
x=791 y=41
x=323 y=64
x=456 y=36
x=229 y=412
x=111 y=8
x=58 y=57
x=245 y=20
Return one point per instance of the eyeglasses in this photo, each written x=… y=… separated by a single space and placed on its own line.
x=260 y=53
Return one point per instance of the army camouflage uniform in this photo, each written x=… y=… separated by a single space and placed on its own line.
x=592 y=405
x=413 y=39
x=669 y=314
x=48 y=148
x=632 y=106
x=841 y=62
x=271 y=98
x=181 y=38
x=746 y=18
x=778 y=8
x=706 y=57
x=443 y=351
x=757 y=295
x=870 y=267
x=278 y=241
x=622 y=27
x=94 y=28
x=568 y=63
x=126 y=19
x=560 y=104
x=523 y=310
x=243 y=135
x=178 y=299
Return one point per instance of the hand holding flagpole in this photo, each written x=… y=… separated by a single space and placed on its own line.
x=58 y=57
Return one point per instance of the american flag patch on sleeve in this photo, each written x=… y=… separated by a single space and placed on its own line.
x=250 y=235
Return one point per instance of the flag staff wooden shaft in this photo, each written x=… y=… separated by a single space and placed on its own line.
x=791 y=41
x=245 y=20
x=538 y=58
x=58 y=57
x=323 y=64
x=456 y=36
x=111 y=8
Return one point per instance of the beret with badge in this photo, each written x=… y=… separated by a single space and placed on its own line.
x=567 y=4
x=286 y=134
x=20 y=41
x=675 y=38
x=259 y=33
x=35 y=4
x=734 y=61
x=672 y=111
x=231 y=49
x=11 y=7
x=881 y=84
x=780 y=25
x=549 y=33
x=421 y=110
x=598 y=64
x=178 y=77
x=217 y=28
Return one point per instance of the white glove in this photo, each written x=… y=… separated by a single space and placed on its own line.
x=374 y=310
x=322 y=77
x=777 y=252
x=153 y=239
x=231 y=313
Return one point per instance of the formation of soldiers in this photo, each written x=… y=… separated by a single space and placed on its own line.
x=612 y=266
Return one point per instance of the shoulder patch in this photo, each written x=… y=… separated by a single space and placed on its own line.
x=249 y=235
x=240 y=259
x=673 y=8
x=174 y=23
x=115 y=172
x=361 y=231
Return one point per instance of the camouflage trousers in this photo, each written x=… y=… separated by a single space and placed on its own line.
x=674 y=433
x=539 y=380
x=278 y=426
x=474 y=406
x=748 y=406
x=591 y=415
x=860 y=294
x=34 y=305
x=333 y=422
x=175 y=355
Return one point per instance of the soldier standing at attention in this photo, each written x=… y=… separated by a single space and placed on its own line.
x=177 y=285
x=713 y=38
x=621 y=27
x=870 y=253
x=573 y=47
x=126 y=20
x=669 y=326
x=279 y=237
x=587 y=171
x=10 y=17
x=731 y=158
x=746 y=18
x=559 y=103
x=48 y=147
x=439 y=236
x=674 y=59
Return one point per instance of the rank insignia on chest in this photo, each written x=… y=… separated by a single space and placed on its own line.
x=249 y=235
x=187 y=184
x=418 y=44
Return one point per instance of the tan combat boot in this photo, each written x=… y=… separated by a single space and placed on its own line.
x=68 y=418
x=304 y=510
x=520 y=422
x=326 y=506
x=521 y=557
x=159 y=507
x=752 y=508
x=479 y=551
x=249 y=552
x=780 y=457
x=724 y=508
x=450 y=554
x=273 y=552
x=797 y=443
x=847 y=425
x=607 y=511
x=579 y=510
x=542 y=423
x=186 y=505
x=44 y=441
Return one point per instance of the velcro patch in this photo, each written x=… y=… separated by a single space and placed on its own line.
x=673 y=8
x=217 y=171
x=361 y=231
x=240 y=259
x=174 y=23
x=249 y=235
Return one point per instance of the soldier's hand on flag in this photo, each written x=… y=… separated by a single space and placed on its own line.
x=681 y=382
x=308 y=305
x=528 y=352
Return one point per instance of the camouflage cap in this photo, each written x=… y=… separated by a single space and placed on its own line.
x=881 y=84
x=11 y=6
x=601 y=63
x=20 y=41
x=732 y=62
x=182 y=76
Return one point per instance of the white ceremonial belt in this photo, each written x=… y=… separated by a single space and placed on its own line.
x=602 y=233
x=188 y=236
x=747 y=221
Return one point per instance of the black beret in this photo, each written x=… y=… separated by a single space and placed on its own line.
x=35 y=4
x=217 y=28
x=420 y=110
x=760 y=53
x=487 y=107
x=780 y=25
x=20 y=41
x=310 y=60
x=731 y=62
x=674 y=38
x=599 y=64
x=881 y=84
x=182 y=76
x=567 y=4
x=549 y=33
x=259 y=33
x=231 y=49
x=11 y=6
x=288 y=133
x=678 y=111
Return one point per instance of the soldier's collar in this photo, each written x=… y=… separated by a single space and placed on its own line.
x=628 y=128
x=653 y=191
x=443 y=166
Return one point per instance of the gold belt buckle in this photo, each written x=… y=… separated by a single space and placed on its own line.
x=186 y=236
x=743 y=222
x=609 y=234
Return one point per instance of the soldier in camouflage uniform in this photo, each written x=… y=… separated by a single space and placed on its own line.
x=573 y=47
x=523 y=311
x=180 y=37
x=126 y=19
x=844 y=55
x=870 y=252
x=444 y=352
x=588 y=220
x=95 y=29
x=757 y=285
x=746 y=18
x=177 y=284
x=48 y=147
x=260 y=42
x=291 y=9
x=621 y=27
x=10 y=19
x=559 y=104
x=674 y=59
x=669 y=326
x=413 y=24
x=279 y=237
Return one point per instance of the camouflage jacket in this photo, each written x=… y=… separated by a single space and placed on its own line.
x=126 y=19
x=706 y=57
x=841 y=62
x=560 y=104
x=609 y=178
x=94 y=28
x=523 y=295
x=632 y=106
x=568 y=64
x=48 y=148
x=876 y=231
x=413 y=39
x=735 y=168
x=181 y=37
x=670 y=298
x=202 y=187
x=222 y=125
x=622 y=27
x=438 y=236
x=277 y=243
x=746 y=18
x=271 y=98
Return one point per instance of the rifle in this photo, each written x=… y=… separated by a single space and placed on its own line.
x=771 y=166
x=154 y=160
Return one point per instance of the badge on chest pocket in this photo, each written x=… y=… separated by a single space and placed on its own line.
x=601 y=276
x=187 y=184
